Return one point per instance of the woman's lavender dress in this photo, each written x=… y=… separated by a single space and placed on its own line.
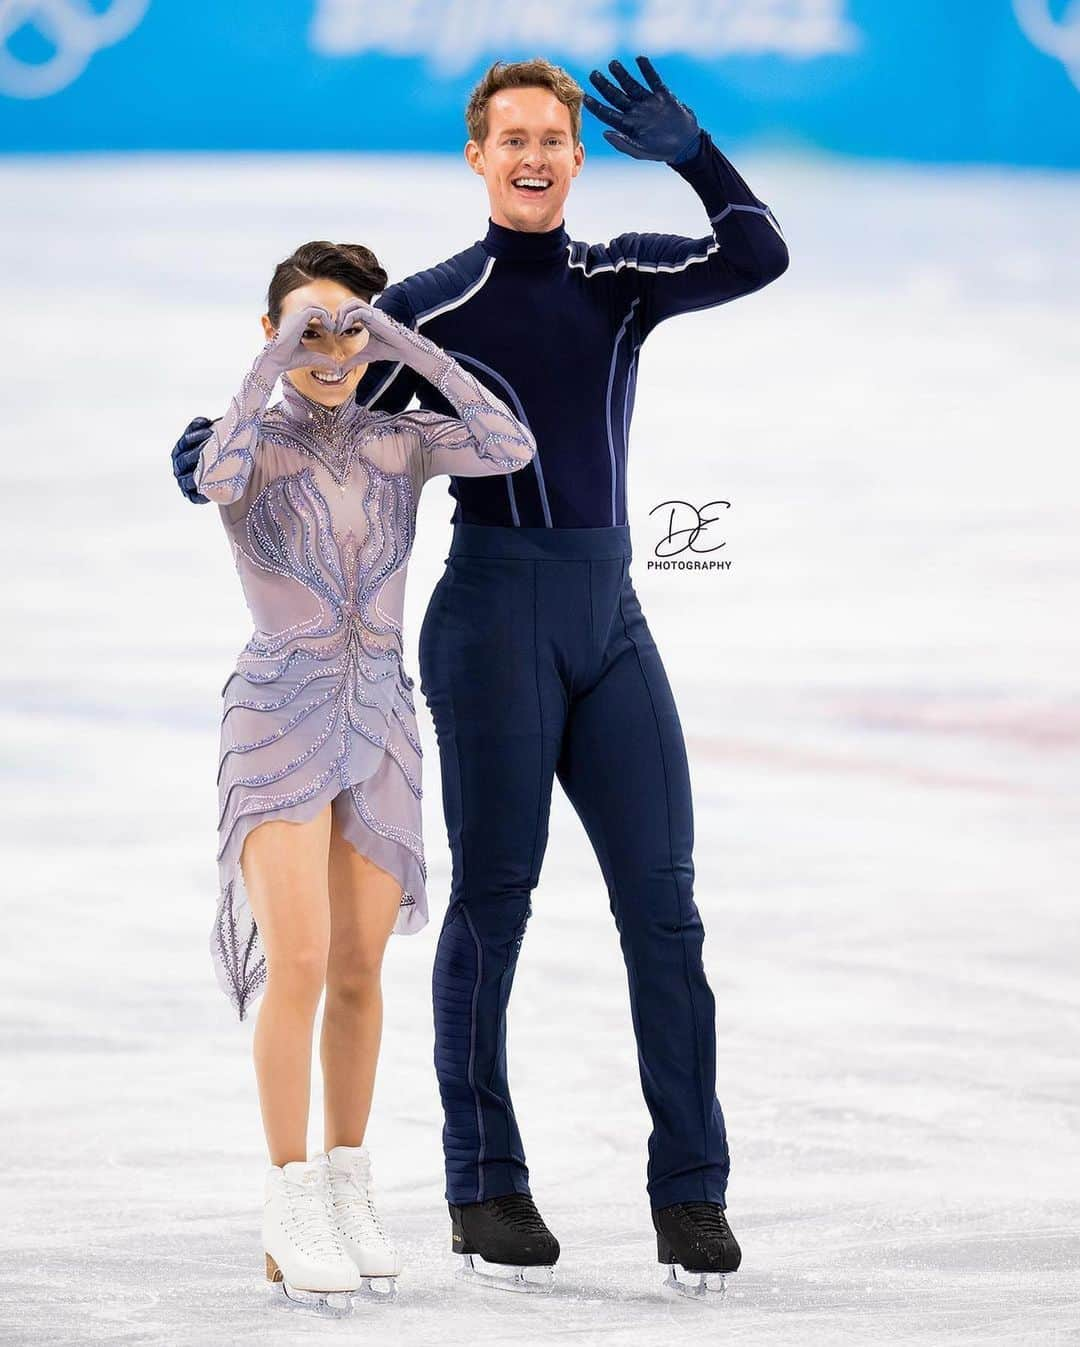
x=320 y=509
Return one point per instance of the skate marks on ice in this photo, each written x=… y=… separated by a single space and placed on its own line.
x=878 y=710
x=926 y=1274
x=1004 y=743
x=847 y=1294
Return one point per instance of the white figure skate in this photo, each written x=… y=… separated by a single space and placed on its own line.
x=358 y=1223
x=304 y=1251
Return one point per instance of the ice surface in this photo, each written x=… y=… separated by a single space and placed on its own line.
x=880 y=699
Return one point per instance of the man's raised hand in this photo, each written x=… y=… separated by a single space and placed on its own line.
x=647 y=123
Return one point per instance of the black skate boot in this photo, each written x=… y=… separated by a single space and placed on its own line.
x=508 y=1233
x=695 y=1237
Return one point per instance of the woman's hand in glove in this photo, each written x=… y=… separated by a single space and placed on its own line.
x=286 y=349
x=387 y=338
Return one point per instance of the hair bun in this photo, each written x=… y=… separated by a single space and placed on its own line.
x=352 y=265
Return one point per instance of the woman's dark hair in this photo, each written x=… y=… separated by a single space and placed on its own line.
x=350 y=264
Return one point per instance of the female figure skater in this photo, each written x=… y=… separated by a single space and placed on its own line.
x=320 y=850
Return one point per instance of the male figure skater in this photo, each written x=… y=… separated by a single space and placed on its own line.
x=535 y=658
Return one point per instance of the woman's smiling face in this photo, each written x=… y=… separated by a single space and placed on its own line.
x=317 y=382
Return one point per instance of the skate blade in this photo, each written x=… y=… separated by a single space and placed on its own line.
x=383 y=1289
x=507 y=1276
x=332 y=1304
x=695 y=1285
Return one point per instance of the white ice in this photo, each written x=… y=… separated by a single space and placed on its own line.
x=880 y=700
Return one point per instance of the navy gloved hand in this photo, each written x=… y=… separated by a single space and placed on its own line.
x=648 y=123
x=185 y=457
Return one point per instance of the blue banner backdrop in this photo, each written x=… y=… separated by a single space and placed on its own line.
x=944 y=80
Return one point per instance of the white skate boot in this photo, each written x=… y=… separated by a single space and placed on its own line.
x=358 y=1222
x=304 y=1251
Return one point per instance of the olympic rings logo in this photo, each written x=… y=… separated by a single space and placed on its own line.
x=1056 y=37
x=74 y=29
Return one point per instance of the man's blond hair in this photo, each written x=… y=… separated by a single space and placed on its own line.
x=535 y=74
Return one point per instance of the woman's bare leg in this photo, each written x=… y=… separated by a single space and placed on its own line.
x=285 y=874
x=364 y=904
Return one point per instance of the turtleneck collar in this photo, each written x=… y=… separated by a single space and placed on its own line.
x=302 y=408
x=516 y=245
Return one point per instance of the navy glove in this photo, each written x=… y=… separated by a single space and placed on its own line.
x=648 y=123
x=185 y=457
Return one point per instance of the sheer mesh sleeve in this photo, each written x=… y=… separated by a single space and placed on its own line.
x=228 y=456
x=484 y=439
x=389 y=387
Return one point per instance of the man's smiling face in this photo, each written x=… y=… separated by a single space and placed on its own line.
x=528 y=158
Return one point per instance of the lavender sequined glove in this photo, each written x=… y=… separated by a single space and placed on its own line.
x=389 y=340
x=286 y=351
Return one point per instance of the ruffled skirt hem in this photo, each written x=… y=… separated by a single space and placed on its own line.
x=236 y=948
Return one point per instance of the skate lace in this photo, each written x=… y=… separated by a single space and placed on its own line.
x=354 y=1204
x=708 y=1218
x=519 y=1211
x=311 y=1215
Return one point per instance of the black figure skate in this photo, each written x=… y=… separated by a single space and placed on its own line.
x=515 y=1249
x=694 y=1238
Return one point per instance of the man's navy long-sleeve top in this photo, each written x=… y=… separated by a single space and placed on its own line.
x=554 y=328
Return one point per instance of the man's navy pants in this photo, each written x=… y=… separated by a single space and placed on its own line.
x=536 y=662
